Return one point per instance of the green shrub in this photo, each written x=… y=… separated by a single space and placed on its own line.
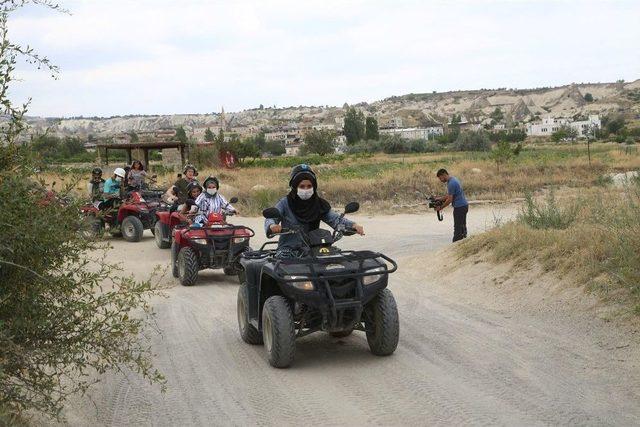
x=472 y=141
x=547 y=214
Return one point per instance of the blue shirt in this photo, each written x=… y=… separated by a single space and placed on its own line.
x=454 y=188
x=111 y=186
x=293 y=241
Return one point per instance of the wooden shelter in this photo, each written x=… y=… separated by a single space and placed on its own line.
x=140 y=150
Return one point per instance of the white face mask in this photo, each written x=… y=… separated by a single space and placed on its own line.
x=118 y=179
x=212 y=191
x=305 y=194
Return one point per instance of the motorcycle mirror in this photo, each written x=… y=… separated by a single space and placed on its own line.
x=233 y=200
x=351 y=207
x=271 y=213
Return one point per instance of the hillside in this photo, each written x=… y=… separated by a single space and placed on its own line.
x=517 y=105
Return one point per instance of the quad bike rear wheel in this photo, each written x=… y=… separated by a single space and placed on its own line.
x=382 y=324
x=174 y=259
x=132 y=229
x=248 y=332
x=161 y=234
x=278 y=331
x=187 y=266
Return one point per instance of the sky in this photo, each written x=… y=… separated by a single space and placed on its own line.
x=119 y=57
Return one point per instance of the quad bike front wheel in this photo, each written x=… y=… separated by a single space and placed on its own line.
x=382 y=324
x=132 y=229
x=175 y=249
x=248 y=332
x=187 y=266
x=278 y=331
x=161 y=234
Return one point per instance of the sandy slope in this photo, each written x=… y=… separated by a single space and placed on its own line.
x=469 y=352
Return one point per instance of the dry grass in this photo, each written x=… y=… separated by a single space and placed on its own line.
x=382 y=181
x=594 y=239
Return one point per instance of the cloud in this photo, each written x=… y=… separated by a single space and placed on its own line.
x=123 y=57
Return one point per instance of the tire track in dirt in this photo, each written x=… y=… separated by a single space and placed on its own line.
x=456 y=364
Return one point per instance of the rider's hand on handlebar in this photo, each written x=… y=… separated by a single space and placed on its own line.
x=275 y=228
x=359 y=229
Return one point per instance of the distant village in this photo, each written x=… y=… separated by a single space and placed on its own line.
x=292 y=134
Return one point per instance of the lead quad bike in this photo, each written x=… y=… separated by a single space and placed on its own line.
x=323 y=289
x=216 y=245
x=128 y=219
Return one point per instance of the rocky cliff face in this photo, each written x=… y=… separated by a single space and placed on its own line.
x=415 y=110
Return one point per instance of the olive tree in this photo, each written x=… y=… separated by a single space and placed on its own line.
x=66 y=313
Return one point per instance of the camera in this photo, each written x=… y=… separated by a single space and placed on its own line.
x=434 y=203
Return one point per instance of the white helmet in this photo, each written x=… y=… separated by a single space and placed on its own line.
x=119 y=172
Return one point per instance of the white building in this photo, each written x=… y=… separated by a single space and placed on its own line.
x=415 y=133
x=549 y=125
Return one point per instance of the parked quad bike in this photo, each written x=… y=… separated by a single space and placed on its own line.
x=128 y=219
x=324 y=289
x=215 y=245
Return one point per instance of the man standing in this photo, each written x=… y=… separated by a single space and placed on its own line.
x=455 y=197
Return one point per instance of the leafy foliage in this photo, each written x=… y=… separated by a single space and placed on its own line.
x=319 y=142
x=354 y=125
x=564 y=132
x=52 y=148
x=472 y=141
x=65 y=312
x=371 y=128
x=209 y=136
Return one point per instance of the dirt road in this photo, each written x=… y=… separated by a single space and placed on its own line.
x=460 y=361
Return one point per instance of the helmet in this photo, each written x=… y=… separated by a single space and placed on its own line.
x=193 y=185
x=96 y=171
x=301 y=172
x=211 y=179
x=190 y=166
x=119 y=172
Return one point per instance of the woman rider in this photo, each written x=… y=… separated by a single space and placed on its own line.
x=137 y=174
x=211 y=200
x=302 y=207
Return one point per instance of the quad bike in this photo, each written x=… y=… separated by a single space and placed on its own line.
x=323 y=289
x=128 y=219
x=167 y=220
x=218 y=244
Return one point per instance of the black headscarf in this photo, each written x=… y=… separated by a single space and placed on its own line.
x=308 y=211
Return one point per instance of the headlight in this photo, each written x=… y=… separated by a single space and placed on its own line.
x=237 y=240
x=303 y=286
x=199 y=241
x=368 y=280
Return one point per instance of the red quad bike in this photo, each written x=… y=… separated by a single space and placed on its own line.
x=129 y=219
x=216 y=245
x=167 y=221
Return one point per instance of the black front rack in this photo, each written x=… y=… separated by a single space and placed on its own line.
x=313 y=261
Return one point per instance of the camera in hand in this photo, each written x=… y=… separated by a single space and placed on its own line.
x=435 y=203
